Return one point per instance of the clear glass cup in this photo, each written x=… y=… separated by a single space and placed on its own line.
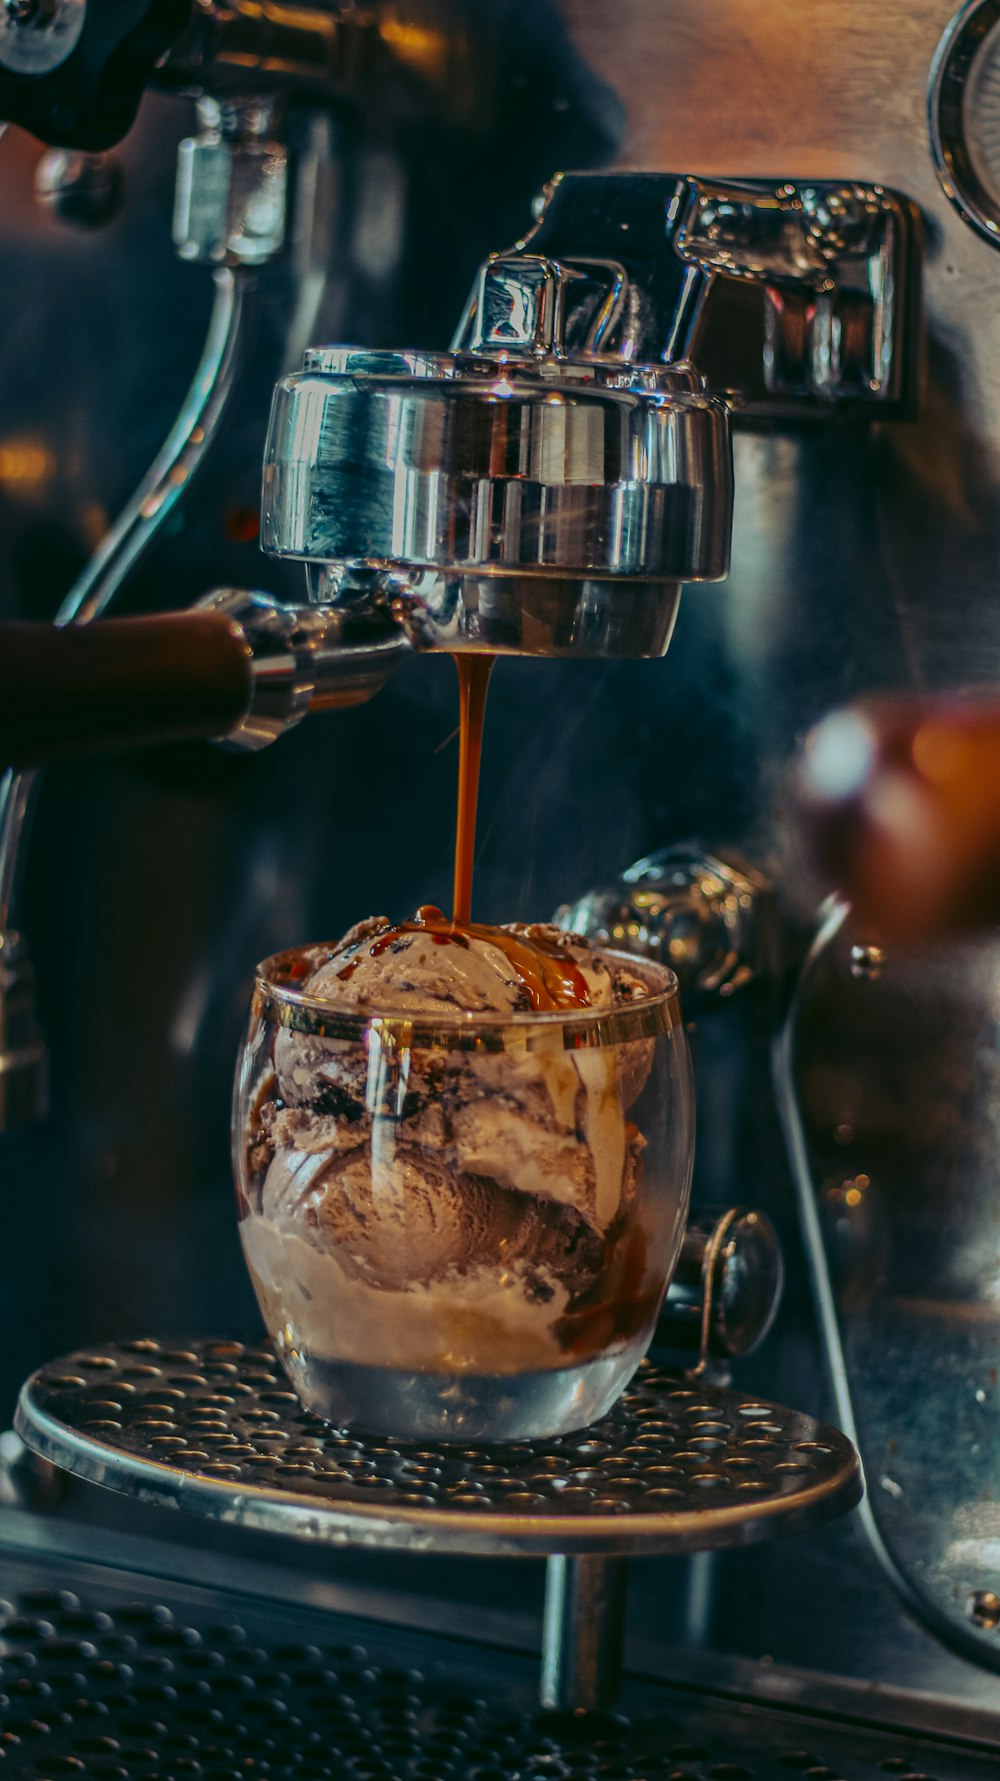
x=462 y=1227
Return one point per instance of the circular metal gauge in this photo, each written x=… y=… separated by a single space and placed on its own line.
x=965 y=115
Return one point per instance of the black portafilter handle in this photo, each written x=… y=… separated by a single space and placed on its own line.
x=118 y=684
x=726 y=1287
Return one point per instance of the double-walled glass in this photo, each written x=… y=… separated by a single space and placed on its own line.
x=461 y=1227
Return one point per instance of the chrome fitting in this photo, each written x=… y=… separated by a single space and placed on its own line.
x=24 y=1064
x=231 y=195
x=820 y=279
x=304 y=658
x=712 y=918
x=726 y=1287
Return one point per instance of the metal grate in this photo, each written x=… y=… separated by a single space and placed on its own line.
x=109 y=1690
x=677 y=1465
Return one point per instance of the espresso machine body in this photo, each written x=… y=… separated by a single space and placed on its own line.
x=849 y=1094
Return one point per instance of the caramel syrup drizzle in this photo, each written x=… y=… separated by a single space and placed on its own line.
x=543 y=968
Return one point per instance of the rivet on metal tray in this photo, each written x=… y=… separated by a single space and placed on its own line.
x=983 y=1607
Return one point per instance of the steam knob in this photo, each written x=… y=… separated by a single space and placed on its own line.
x=73 y=72
x=710 y=917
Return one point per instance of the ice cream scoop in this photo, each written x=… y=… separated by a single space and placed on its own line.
x=550 y=1125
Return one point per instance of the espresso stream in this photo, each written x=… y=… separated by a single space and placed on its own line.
x=544 y=970
x=473 y=685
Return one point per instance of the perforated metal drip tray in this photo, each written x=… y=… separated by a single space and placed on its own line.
x=113 y=1680
x=213 y=1427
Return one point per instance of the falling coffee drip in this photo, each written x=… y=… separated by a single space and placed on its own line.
x=544 y=969
x=473 y=685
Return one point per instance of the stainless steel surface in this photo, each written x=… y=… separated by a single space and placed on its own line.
x=711 y=917
x=726 y=1288
x=530 y=507
x=212 y=1427
x=304 y=660
x=38 y=35
x=583 y=1632
x=232 y=196
x=103 y=1671
x=887 y=1087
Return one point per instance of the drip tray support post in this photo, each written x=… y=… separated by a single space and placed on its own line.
x=583 y=1631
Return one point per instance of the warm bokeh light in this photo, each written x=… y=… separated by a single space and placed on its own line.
x=23 y=462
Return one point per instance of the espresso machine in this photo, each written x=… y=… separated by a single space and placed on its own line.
x=637 y=297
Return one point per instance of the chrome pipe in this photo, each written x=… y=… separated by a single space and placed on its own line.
x=182 y=456
x=583 y=1631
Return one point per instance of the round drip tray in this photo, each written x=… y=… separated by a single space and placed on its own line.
x=213 y=1427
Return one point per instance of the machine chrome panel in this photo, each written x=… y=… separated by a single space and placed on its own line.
x=890 y=1089
x=862 y=556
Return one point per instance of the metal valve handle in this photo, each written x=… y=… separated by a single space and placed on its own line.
x=72 y=72
x=726 y=1287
